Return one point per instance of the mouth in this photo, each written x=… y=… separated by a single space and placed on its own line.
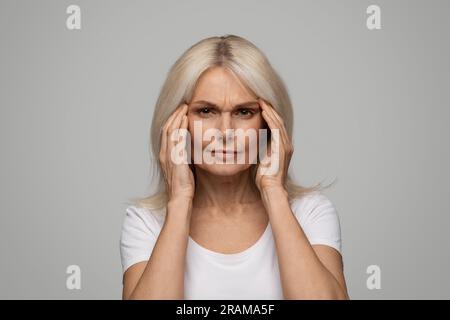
x=226 y=152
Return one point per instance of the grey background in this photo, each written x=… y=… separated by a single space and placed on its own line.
x=371 y=109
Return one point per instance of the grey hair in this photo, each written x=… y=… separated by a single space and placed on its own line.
x=251 y=66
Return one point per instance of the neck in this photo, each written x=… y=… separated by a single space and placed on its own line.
x=224 y=191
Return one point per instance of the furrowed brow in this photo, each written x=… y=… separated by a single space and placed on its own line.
x=241 y=105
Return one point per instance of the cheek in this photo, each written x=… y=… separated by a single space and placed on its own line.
x=197 y=128
x=255 y=123
x=202 y=125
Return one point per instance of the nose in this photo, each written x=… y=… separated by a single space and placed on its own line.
x=226 y=123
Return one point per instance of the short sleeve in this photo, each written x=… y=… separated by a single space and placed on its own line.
x=319 y=219
x=140 y=230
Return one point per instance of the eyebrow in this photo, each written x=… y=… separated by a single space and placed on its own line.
x=240 y=105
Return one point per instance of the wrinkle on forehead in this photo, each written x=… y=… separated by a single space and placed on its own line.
x=223 y=88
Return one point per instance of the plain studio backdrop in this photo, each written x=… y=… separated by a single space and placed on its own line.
x=371 y=110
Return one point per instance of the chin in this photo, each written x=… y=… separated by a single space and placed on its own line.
x=224 y=169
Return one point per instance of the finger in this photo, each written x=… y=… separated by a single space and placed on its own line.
x=270 y=118
x=265 y=161
x=285 y=140
x=184 y=126
x=277 y=120
x=163 y=147
x=266 y=114
x=172 y=117
x=176 y=123
x=281 y=122
x=272 y=126
x=164 y=129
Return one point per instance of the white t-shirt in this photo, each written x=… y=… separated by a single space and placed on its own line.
x=249 y=274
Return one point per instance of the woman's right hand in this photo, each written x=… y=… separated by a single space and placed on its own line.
x=179 y=177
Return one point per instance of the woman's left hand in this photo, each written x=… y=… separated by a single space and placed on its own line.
x=279 y=149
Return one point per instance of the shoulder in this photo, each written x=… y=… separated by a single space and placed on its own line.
x=312 y=205
x=319 y=219
x=140 y=215
x=141 y=223
x=140 y=230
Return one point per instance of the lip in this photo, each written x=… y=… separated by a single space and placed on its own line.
x=225 y=152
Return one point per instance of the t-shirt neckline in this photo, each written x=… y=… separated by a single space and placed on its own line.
x=232 y=257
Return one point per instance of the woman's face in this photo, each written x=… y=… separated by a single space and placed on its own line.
x=221 y=102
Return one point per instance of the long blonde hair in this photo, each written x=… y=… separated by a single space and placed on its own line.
x=251 y=66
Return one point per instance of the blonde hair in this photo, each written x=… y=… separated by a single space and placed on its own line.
x=251 y=66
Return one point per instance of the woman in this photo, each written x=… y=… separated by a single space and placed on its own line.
x=228 y=230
